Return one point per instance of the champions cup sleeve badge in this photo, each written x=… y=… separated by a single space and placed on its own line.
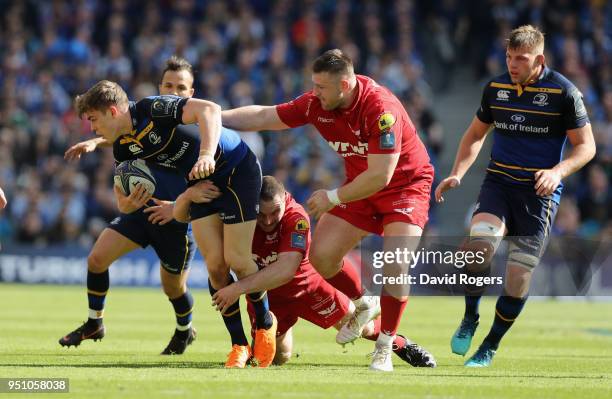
x=301 y=225
x=298 y=241
x=387 y=138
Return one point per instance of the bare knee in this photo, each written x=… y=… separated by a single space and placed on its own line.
x=241 y=263
x=324 y=261
x=97 y=263
x=173 y=287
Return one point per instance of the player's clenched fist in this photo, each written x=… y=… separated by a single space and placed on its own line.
x=446 y=184
x=547 y=181
x=319 y=203
x=204 y=167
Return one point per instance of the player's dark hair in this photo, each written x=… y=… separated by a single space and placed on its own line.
x=334 y=62
x=100 y=97
x=526 y=37
x=176 y=63
x=271 y=188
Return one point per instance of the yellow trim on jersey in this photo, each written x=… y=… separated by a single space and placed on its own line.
x=186 y=253
x=543 y=90
x=164 y=147
x=127 y=140
x=507 y=174
x=547 y=219
x=238 y=201
x=144 y=131
x=503 y=165
x=503 y=85
x=526 y=88
x=525 y=110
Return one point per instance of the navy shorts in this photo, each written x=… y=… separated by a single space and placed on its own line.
x=527 y=216
x=240 y=191
x=172 y=242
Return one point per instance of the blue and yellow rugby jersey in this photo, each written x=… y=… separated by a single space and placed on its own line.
x=530 y=125
x=159 y=136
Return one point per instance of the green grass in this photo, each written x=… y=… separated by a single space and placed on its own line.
x=556 y=350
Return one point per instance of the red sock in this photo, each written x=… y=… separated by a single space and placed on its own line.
x=391 y=315
x=347 y=280
x=398 y=343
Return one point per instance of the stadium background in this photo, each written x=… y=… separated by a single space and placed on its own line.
x=435 y=56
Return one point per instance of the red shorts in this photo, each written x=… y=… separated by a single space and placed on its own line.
x=321 y=304
x=408 y=204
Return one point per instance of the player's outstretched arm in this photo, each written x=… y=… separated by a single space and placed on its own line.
x=272 y=276
x=84 y=147
x=208 y=117
x=201 y=192
x=469 y=147
x=583 y=150
x=253 y=118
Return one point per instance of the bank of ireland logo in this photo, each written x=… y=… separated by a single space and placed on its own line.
x=503 y=95
x=540 y=99
x=518 y=118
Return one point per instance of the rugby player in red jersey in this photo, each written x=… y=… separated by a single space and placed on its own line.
x=295 y=290
x=387 y=188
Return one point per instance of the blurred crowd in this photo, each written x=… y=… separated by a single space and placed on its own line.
x=259 y=51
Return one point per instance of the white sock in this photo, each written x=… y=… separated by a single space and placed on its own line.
x=384 y=339
x=183 y=328
x=358 y=302
x=96 y=314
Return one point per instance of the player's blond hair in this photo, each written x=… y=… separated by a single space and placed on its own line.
x=100 y=97
x=526 y=37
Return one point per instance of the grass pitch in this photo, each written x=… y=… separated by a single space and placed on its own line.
x=555 y=350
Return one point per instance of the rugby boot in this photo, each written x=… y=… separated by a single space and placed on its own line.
x=462 y=338
x=89 y=330
x=265 y=344
x=178 y=343
x=238 y=357
x=414 y=355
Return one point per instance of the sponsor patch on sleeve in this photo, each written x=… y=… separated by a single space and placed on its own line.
x=164 y=106
x=387 y=141
x=385 y=122
x=298 y=241
x=301 y=225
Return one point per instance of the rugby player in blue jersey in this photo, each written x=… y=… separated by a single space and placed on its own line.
x=158 y=138
x=532 y=111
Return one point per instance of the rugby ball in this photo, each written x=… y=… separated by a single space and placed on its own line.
x=129 y=174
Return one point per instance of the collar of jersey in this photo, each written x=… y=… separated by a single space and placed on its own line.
x=133 y=114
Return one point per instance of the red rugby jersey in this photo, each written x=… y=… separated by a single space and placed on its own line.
x=375 y=123
x=292 y=234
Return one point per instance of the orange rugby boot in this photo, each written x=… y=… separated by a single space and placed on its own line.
x=238 y=357
x=265 y=344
